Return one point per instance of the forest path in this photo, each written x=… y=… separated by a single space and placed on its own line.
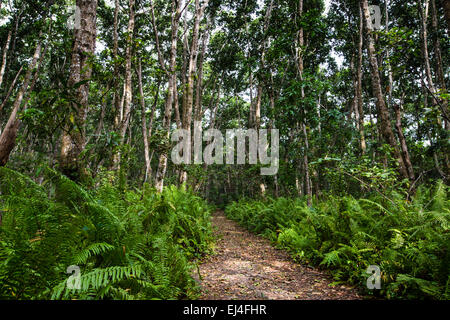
x=247 y=267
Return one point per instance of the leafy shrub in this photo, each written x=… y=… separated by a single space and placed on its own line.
x=129 y=245
x=408 y=240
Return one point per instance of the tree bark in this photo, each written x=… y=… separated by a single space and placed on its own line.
x=14 y=38
x=390 y=75
x=425 y=53
x=189 y=88
x=162 y=163
x=5 y=53
x=438 y=57
x=124 y=109
x=128 y=74
x=301 y=42
x=359 y=86
x=401 y=138
x=446 y=6
x=383 y=112
x=148 y=171
x=73 y=138
x=9 y=133
x=11 y=88
x=259 y=91
x=116 y=93
x=199 y=86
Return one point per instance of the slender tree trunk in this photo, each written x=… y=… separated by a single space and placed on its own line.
x=390 y=75
x=383 y=112
x=116 y=93
x=101 y=122
x=398 y=112
x=124 y=110
x=150 y=127
x=5 y=53
x=128 y=74
x=186 y=55
x=438 y=55
x=148 y=167
x=199 y=86
x=189 y=89
x=426 y=59
x=73 y=139
x=251 y=113
x=257 y=109
x=446 y=6
x=9 y=133
x=259 y=90
x=429 y=134
x=13 y=46
x=272 y=124
x=401 y=138
x=162 y=163
x=301 y=42
x=359 y=85
x=306 y=166
x=16 y=124
x=11 y=88
x=440 y=70
x=353 y=105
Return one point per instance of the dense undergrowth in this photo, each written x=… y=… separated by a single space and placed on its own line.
x=127 y=244
x=409 y=241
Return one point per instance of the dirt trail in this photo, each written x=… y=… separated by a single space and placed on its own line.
x=247 y=267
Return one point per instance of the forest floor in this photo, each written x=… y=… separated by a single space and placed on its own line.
x=246 y=266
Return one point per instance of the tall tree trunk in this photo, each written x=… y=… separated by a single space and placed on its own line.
x=162 y=163
x=9 y=133
x=189 y=89
x=383 y=112
x=128 y=74
x=446 y=6
x=11 y=88
x=251 y=113
x=401 y=138
x=184 y=67
x=301 y=42
x=308 y=186
x=148 y=167
x=116 y=93
x=73 y=139
x=261 y=81
x=14 y=38
x=199 y=86
x=353 y=104
x=389 y=68
x=438 y=55
x=425 y=53
x=5 y=53
x=124 y=110
x=259 y=91
x=362 y=138
x=440 y=70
